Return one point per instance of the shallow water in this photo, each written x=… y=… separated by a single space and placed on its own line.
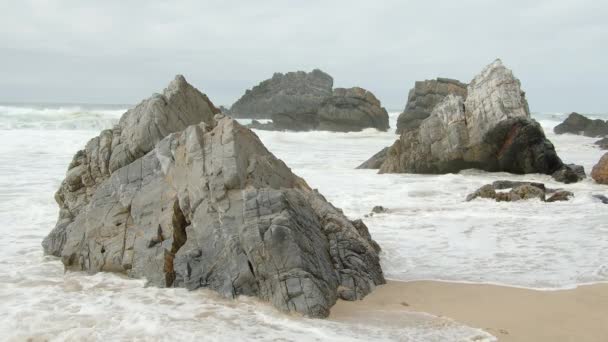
x=429 y=233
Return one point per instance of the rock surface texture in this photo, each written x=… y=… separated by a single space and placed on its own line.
x=352 y=109
x=490 y=129
x=293 y=92
x=600 y=170
x=580 y=124
x=423 y=98
x=186 y=198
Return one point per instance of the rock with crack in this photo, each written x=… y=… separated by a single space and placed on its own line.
x=510 y=191
x=423 y=98
x=580 y=124
x=209 y=206
x=491 y=129
x=293 y=92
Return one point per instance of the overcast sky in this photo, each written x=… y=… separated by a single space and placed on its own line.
x=122 y=51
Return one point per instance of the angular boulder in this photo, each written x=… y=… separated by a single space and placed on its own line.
x=423 y=98
x=599 y=173
x=352 y=109
x=580 y=124
x=293 y=92
x=489 y=130
x=207 y=206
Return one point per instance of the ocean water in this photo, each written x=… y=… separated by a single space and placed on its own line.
x=429 y=233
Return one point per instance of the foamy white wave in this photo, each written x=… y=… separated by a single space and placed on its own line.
x=58 y=117
x=41 y=302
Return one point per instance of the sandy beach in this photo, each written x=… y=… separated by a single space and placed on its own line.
x=510 y=314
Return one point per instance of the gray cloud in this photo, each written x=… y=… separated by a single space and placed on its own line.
x=121 y=51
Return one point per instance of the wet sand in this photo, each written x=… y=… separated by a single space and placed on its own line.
x=510 y=314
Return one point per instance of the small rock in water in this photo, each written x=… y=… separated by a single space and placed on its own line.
x=560 y=195
x=569 y=173
x=379 y=209
x=602 y=198
x=519 y=191
x=602 y=143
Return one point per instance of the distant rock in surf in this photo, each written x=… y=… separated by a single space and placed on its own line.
x=600 y=170
x=569 y=173
x=423 y=98
x=183 y=196
x=491 y=129
x=580 y=124
x=602 y=143
x=519 y=191
x=293 y=92
x=299 y=101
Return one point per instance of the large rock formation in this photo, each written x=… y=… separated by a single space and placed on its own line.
x=347 y=110
x=352 y=109
x=579 y=124
x=293 y=92
x=185 y=199
x=490 y=130
x=600 y=170
x=423 y=98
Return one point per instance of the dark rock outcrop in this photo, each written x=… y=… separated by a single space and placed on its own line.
x=570 y=173
x=489 y=130
x=352 y=109
x=423 y=98
x=293 y=92
x=185 y=198
x=600 y=170
x=580 y=124
x=519 y=191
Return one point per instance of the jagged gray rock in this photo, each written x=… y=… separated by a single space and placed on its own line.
x=293 y=92
x=352 y=109
x=576 y=123
x=210 y=206
x=490 y=130
x=423 y=98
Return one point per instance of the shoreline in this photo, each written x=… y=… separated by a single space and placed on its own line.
x=508 y=313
